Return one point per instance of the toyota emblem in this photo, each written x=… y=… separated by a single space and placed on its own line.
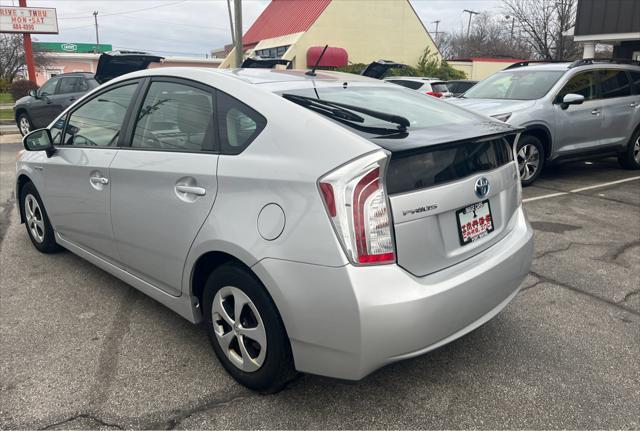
x=482 y=187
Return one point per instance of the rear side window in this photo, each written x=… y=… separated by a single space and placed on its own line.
x=239 y=124
x=582 y=83
x=414 y=85
x=97 y=123
x=614 y=83
x=635 y=79
x=175 y=117
x=445 y=163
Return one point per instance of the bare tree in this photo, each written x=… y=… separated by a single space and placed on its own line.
x=544 y=22
x=12 y=57
x=490 y=36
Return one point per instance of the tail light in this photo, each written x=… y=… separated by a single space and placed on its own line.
x=357 y=205
x=435 y=94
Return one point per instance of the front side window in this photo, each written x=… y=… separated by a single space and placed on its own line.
x=97 y=123
x=582 y=83
x=515 y=85
x=49 y=87
x=239 y=124
x=73 y=84
x=175 y=117
x=614 y=83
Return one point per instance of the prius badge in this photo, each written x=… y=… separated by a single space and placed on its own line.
x=482 y=187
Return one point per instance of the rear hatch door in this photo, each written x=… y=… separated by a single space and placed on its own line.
x=115 y=63
x=451 y=198
x=377 y=69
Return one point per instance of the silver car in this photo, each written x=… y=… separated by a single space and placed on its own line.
x=325 y=223
x=570 y=111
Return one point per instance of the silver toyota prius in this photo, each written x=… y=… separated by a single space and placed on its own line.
x=322 y=222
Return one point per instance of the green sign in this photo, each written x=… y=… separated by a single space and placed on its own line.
x=72 y=47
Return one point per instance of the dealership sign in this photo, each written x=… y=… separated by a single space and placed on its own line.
x=40 y=20
x=72 y=47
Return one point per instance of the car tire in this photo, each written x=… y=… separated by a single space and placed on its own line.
x=630 y=158
x=267 y=368
x=37 y=222
x=530 y=157
x=24 y=124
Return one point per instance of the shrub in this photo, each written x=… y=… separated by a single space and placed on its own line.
x=4 y=85
x=21 y=88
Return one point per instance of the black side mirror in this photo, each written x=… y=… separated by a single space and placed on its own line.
x=39 y=140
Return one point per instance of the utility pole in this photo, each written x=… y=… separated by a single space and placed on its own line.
x=95 y=19
x=28 y=50
x=513 y=22
x=437 y=23
x=238 y=29
x=233 y=33
x=471 y=13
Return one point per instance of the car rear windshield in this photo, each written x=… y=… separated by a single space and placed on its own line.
x=445 y=163
x=440 y=87
x=520 y=85
x=422 y=111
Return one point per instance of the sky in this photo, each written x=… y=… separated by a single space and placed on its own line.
x=195 y=27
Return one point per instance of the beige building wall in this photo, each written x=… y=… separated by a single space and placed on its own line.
x=481 y=69
x=369 y=30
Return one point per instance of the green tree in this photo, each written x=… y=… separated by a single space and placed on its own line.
x=428 y=65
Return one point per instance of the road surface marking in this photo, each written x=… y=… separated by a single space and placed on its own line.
x=581 y=189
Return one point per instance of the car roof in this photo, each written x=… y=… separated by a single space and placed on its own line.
x=414 y=78
x=85 y=74
x=564 y=66
x=267 y=76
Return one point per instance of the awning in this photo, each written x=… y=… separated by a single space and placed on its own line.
x=333 y=57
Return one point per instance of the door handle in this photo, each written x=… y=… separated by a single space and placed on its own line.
x=632 y=105
x=595 y=112
x=193 y=190
x=72 y=99
x=99 y=180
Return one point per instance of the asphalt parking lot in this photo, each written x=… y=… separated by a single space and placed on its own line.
x=80 y=349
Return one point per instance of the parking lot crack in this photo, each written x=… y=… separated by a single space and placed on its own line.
x=181 y=415
x=619 y=305
x=87 y=416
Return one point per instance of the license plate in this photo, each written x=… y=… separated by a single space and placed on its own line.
x=474 y=222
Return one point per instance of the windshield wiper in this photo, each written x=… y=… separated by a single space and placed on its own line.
x=342 y=111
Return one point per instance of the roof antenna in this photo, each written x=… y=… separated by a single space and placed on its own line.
x=312 y=72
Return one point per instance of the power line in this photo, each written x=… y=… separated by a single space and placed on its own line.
x=125 y=12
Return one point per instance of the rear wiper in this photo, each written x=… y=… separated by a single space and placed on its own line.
x=346 y=110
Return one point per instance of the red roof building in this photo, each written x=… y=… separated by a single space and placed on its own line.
x=356 y=31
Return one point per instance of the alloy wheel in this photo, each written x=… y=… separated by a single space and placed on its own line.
x=25 y=127
x=35 y=220
x=636 y=150
x=528 y=161
x=239 y=329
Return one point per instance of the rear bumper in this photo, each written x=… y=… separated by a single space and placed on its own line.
x=346 y=322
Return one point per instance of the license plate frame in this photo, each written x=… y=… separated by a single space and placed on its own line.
x=481 y=210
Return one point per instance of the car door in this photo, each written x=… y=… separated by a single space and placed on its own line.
x=77 y=179
x=42 y=110
x=579 y=127
x=164 y=184
x=619 y=105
